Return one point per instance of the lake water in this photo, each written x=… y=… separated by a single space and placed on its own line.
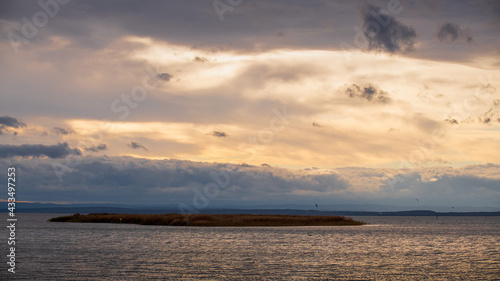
x=389 y=248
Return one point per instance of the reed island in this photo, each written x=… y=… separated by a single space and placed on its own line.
x=210 y=220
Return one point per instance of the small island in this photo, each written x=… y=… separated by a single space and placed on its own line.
x=210 y=220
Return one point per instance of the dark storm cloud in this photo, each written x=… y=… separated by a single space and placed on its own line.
x=136 y=145
x=218 y=134
x=128 y=179
x=386 y=33
x=450 y=32
x=59 y=150
x=11 y=122
x=100 y=147
x=62 y=131
x=163 y=76
x=368 y=92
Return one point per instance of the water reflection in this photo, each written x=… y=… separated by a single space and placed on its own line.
x=404 y=248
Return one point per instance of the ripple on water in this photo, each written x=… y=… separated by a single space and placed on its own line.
x=394 y=248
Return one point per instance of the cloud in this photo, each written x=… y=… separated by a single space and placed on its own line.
x=369 y=92
x=316 y=124
x=11 y=122
x=248 y=31
x=200 y=59
x=7 y=121
x=163 y=76
x=62 y=131
x=102 y=146
x=450 y=32
x=492 y=114
x=59 y=150
x=218 y=134
x=136 y=145
x=385 y=33
x=122 y=179
x=467 y=186
x=130 y=180
x=488 y=117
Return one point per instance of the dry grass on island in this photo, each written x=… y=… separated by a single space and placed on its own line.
x=211 y=220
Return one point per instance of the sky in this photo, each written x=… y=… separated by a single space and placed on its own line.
x=203 y=104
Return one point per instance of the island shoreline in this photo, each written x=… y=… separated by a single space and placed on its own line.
x=211 y=220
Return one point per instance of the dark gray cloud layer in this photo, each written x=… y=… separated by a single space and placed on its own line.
x=253 y=25
x=369 y=92
x=450 y=32
x=59 y=150
x=386 y=33
x=129 y=180
x=133 y=180
x=194 y=23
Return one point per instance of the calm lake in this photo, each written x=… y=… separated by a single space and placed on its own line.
x=389 y=248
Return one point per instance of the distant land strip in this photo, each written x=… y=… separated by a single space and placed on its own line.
x=210 y=220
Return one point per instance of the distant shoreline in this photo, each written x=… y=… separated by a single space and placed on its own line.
x=210 y=220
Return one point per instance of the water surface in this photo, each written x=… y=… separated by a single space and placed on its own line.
x=389 y=248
